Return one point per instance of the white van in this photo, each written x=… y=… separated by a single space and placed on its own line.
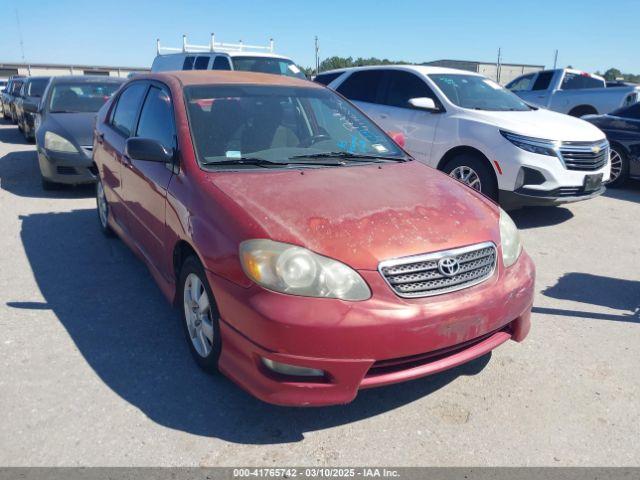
x=224 y=56
x=480 y=133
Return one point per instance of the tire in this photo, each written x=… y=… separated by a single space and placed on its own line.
x=621 y=165
x=204 y=338
x=583 y=110
x=102 y=208
x=480 y=176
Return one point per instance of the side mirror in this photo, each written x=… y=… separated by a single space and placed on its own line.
x=30 y=107
x=398 y=137
x=147 y=149
x=424 y=103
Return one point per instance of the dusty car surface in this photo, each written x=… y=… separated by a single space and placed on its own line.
x=309 y=255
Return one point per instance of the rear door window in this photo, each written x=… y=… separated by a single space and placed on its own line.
x=326 y=78
x=188 y=63
x=363 y=86
x=221 y=63
x=403 y=86
x=126 y=110
x=202 y=63
x=156 y=118
x=576 y=81
x=542 y=81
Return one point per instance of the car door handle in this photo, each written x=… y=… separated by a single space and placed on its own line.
x=383 y=115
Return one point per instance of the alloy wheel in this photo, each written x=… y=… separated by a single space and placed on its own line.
x=103 y=207
x=616 y=166
x=198 y=315
x=468 y=176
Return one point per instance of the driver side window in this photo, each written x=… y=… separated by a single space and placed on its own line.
x=402 y=87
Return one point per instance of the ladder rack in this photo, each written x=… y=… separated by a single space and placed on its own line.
x=214 y=47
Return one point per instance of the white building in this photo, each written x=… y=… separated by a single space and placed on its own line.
x=52 y=69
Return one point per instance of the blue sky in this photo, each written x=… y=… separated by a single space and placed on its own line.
x=592 y=36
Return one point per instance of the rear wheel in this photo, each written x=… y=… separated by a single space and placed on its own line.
x=473 y=172
x=200 y=315
x=619 y=167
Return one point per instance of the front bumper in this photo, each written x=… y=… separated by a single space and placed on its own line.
x=380 y=341
x=528 y=197
x=70 y=168
x=547 y=180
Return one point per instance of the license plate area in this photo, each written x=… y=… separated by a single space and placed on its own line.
x=592 y=182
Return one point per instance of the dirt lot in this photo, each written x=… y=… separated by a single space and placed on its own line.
x=95 y=371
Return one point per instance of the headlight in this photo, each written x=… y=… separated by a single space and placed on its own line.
x=53 y=141
x=295 y=270
x=533 y=145
x=510 y=239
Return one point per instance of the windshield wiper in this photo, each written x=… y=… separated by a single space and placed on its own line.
x=263 y=162
x=355 y=157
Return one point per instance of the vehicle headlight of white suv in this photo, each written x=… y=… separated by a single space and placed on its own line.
x=531 y=144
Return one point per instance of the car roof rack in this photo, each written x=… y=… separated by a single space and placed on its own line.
x=214 y=47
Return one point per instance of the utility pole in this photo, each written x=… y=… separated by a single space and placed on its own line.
x=498 y=66
x=555 y=59
x=317 y=49
x=20 y=38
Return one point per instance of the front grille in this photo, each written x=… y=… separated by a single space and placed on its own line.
x=64 y=170
x=584 y=156
x=422 y=275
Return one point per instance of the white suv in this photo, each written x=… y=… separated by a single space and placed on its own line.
x=476 y=131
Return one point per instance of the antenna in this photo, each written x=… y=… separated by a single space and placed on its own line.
x=555 y=59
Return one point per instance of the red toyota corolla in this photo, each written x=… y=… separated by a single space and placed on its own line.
x=310 y=256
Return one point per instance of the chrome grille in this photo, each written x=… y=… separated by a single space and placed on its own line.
x=585 y=156
x=420 y=275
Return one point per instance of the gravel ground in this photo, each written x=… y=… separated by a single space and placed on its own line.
x=94 y=369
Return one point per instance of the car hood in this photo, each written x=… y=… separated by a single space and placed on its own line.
x=76 y=127
x=361 y=215
x=542 y=123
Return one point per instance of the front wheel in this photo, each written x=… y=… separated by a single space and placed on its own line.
x=200 y=315
x=103 y=210
x=473 y=172
x=619 y=168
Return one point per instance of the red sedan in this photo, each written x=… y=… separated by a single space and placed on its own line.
x=310 y=256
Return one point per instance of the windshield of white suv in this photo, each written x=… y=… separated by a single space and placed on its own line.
x=277 y=125
x=277 y=66
x=477 y=93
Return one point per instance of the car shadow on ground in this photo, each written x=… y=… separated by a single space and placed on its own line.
x=534 y=217
x=597 y=290
x=122 y=325
x=630 y=192
x=20 y=175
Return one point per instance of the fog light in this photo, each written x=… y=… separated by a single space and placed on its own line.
x=286 y=369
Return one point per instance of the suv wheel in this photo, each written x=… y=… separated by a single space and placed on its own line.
x=473 y=172
x=200 y=315
x=619 y=167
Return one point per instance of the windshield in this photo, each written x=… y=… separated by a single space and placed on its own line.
x=80 y=97
x=277 y=66
x=280 y=124
x=477 y=93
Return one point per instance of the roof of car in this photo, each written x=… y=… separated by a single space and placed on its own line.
x=212 y=77
x=86 y=78
x=424 y=69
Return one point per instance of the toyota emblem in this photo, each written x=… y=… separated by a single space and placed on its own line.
x=448 y=266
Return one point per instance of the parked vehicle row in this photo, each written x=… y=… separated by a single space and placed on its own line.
x=481 y=134
x=574 y=92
